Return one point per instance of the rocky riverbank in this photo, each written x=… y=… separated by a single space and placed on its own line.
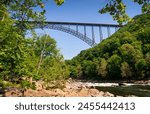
x=72 y=89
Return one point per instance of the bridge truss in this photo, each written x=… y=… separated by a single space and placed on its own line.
x=73 y=29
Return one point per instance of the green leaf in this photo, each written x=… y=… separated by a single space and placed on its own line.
x=59 y=2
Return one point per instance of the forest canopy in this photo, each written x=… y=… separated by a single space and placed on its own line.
x=124 y=55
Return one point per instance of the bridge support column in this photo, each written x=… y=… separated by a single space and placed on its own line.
x=77 y=28
x=69 y=26
x=100 y=33
x=108 y=31
x=116 y=28
x=85 y=30
x=93 y=36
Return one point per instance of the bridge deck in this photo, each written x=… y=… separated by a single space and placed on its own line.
x=79 y=23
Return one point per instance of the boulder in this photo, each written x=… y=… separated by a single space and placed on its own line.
x=107 y=94
x=13 y=92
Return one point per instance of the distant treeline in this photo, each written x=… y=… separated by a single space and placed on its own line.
x=125 y=55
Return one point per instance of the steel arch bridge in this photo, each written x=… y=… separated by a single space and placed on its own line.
x=68 y=28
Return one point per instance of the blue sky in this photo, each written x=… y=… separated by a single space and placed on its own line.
x=79 y=11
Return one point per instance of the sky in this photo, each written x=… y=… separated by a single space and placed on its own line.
x=79 y=11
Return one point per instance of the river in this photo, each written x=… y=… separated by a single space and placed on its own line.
x=127 y=89
x=136 y=90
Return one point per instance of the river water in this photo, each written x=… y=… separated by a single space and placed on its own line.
x=136 y=90
x=126 y=89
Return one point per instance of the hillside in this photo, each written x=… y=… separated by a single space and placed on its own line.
x=124 y=55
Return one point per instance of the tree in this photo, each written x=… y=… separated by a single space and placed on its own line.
x=140 y=68
x=89 y=69
x=147 y=69
x=53 y=69
x=44 y=47
x=3 y=12
x=114 y=63
x=126 y=71
x=48 y=62
x=117 y=9
x=130 y=54
x=102 y=68
x=24 y=10
x=20 y=57
x=12 y=49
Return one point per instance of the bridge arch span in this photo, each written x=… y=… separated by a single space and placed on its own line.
x=72 y=32
x=61 y=26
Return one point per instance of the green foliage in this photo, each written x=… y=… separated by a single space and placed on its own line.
x=12 y=48
x=59 y=2
x=146 y=48
x=114 y=63
x=126 y=71
x=144 y=36
x=127 y=51
x=75 y=71
x=117 y=9
x=22 y=58
x=46 y=45
x=26 y=9
x=147 y=59
x=145 y=3
x=111 y=45
x=5 y=84
x=25 y=84
x=89 y=69
x=140 y=67
x=125 y=55
x=47 y=63
x=102 y=68
x=53 y=69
